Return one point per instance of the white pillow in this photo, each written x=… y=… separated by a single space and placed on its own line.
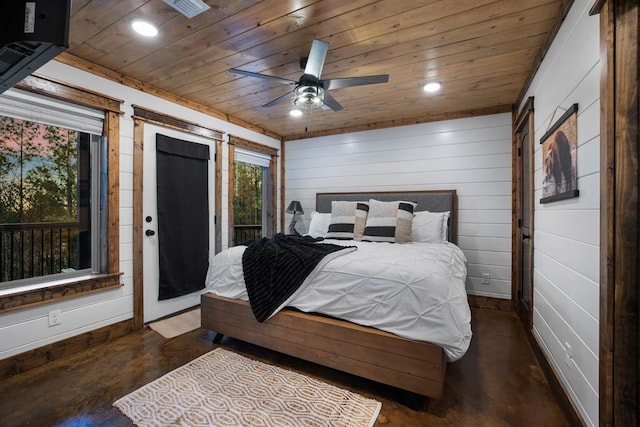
x=430 y=227
x=319 y=224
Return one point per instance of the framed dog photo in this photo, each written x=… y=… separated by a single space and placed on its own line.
x=559 y=149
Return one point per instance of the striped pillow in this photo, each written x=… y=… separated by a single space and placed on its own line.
x=347 y=220
x=389 y=221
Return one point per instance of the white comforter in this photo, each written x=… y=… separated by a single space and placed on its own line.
x=414 y=290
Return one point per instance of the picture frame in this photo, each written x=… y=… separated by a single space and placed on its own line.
x=559 y=158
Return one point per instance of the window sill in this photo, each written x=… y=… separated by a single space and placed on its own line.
x=44 y=293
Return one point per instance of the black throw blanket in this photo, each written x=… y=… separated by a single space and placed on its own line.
x=275 y=267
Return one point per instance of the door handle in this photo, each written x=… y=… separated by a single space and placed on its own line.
x=526 y=236
x=149 y=232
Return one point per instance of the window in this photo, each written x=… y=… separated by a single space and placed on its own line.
x=52 y=174
x=250 y=172
x=252 y=191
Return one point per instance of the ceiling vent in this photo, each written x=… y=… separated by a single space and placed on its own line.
x=188 y=8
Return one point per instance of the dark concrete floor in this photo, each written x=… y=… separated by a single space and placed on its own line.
x=497 y=383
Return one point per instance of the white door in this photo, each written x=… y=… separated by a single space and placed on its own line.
x=153 y=308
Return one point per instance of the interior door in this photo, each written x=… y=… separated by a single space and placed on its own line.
x=153 y=308
x=525 y=284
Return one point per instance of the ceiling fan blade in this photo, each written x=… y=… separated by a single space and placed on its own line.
x=317 y=55
x=289 y=95
x=331 y=102
x=354 y=81
x=262 y=76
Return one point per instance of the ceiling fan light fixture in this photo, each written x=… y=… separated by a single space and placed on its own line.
x=144 y=28
x=308 y=96
x=432 y=87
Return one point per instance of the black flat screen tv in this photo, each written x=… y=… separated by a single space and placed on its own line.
x=33 y=33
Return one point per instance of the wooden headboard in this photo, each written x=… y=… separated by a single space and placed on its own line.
x=433 y=201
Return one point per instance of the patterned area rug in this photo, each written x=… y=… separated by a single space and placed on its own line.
x=222 y=388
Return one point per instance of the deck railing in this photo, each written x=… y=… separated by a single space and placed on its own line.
x=242 y=233
x=38 y=249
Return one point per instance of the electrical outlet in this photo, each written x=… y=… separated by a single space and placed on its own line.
x=55 y=317
x=486 y=278
x=568 y=354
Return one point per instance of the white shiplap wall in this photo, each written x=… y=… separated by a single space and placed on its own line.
x=566 y=245
x=471 y=155
x=23 y=330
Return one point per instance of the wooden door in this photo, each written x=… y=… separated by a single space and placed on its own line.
x=523 y=236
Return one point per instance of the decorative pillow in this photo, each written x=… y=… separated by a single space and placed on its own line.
x=430 y=227
x=319 y=224
x=389 y=221
x=347 y=220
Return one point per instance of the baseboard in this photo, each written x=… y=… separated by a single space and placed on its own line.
x=558 y=390
x=490 y=303
x=22 y=362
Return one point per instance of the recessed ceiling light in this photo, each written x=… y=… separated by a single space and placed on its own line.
x=432 y=87
x=144 y=28
x=295 y=112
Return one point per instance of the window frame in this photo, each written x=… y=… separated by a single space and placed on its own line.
x=49 y=291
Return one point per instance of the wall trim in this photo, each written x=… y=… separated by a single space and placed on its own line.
x=31 y=359
x=67 y=92
x=45 y=294
x=166 y=120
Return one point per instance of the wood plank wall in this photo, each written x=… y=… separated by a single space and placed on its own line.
x=470 y=155
x=567 y=237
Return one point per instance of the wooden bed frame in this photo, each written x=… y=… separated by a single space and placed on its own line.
x=410 y=365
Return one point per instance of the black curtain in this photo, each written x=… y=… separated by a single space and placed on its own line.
x=183 y=215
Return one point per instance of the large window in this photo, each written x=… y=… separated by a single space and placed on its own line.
x=50 y=174
x=252 y=191
x=249 y=193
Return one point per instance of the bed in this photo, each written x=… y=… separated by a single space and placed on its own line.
x=394 y=356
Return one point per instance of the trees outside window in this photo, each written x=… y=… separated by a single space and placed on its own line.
x=252 y=190
x=44 y=205
x=247 y=201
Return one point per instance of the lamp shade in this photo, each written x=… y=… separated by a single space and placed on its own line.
x=295 y=207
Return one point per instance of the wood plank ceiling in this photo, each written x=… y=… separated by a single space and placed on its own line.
x=483 y=52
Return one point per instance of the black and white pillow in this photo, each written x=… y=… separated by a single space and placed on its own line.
x=389 y=221
x=348 y=220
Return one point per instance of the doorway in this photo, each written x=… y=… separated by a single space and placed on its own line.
x=158 y=302
x=522 y=291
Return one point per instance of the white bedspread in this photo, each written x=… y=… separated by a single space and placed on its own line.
x=414 y=290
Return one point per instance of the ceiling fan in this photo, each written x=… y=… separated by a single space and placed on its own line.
x=311 y=91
